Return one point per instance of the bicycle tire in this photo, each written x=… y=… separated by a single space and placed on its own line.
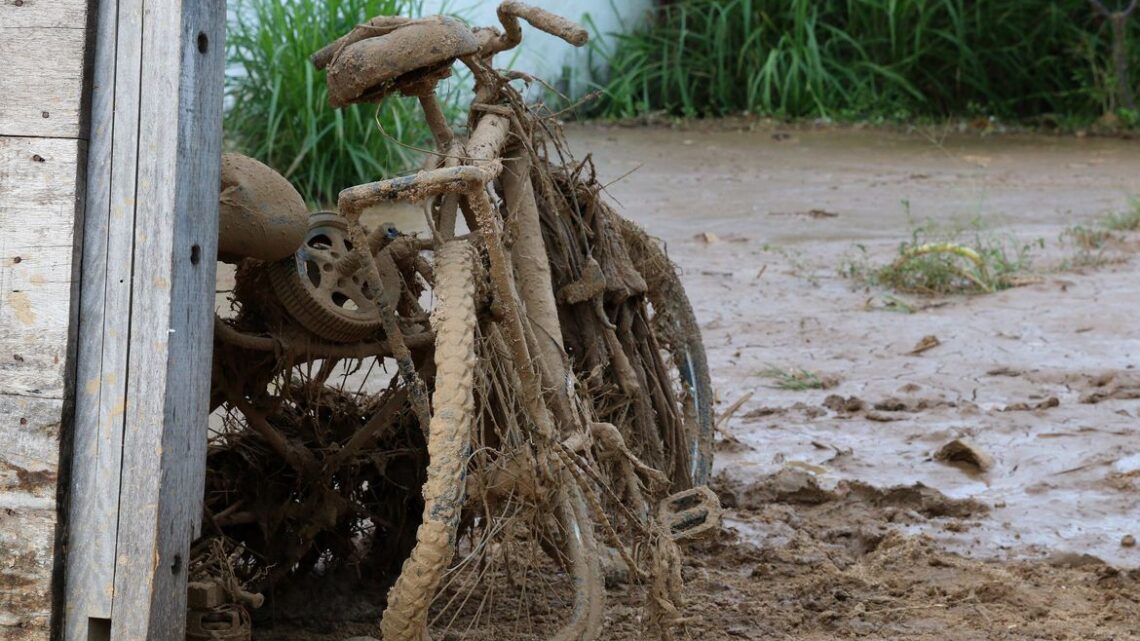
x=449 y=438
x=294 y=290
x=677 y=327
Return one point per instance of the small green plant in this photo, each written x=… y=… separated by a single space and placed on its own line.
x=794 y=379
x=855 y=264
x=800 y=266
x=1091 y=244
x=891 y=303
x=1128 y=220
x=1086 y=238
x=278 y=104
x=938 y=260
x=1089 y=247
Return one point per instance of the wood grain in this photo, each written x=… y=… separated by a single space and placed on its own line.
x=43 y=46
x=42 y=83
x=38 y=184
x=142 y=350
x=105 y=300
x=164 y=437
x=37 y=220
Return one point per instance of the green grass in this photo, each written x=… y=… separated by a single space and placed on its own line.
x=864 y=59
x=971 y=259
x=1092 y=246
x=1088 y=247
x=941 y=260
x=1086 y=238
x=279 y=109
x=794 y=379
x=1128 y=220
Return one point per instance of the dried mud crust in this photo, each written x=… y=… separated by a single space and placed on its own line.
x=837 y=564
x=449 y=434
x=801 y=562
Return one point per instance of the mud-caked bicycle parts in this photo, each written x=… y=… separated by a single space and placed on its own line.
x=260 y=215
x=323 y=285
x=394 y=58
x=550 y=389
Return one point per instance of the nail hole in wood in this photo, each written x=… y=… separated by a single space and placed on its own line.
x=203 y=42
x=177 y=565
x=195 y=255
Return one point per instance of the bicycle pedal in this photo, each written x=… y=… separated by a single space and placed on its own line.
x=690 y=513
x=224 y=623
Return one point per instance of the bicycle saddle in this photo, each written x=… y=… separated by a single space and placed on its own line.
x=408 y=57
x=260 y=214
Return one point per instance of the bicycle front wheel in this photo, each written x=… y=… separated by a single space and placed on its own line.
x=448 y=442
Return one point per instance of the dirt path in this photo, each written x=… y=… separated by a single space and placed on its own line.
x=1040 y=378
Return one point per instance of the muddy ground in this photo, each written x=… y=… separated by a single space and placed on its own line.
x=843 y=524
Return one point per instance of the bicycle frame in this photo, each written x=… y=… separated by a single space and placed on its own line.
x=520 y=277
x=491 y=180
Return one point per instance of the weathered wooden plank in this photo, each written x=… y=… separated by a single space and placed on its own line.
x=37 y=219
x=42 y=45
x=164 y=437
x=104 y=316
x=31 y=433
x=39 y=179
x=51 y=14
x=27 y=515
x=42 y=83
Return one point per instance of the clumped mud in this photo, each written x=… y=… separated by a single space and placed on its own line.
x=796 y=561
x=839 y=566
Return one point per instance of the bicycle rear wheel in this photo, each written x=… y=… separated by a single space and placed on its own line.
x=630 y=331
x=676 y=328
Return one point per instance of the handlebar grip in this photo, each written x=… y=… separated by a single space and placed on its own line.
x=542 y=20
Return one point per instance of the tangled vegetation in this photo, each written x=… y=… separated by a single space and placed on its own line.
x=872 y=59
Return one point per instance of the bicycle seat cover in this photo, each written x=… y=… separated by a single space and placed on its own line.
x=410 y=58
x=260 y=214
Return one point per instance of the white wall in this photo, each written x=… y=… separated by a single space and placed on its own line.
x=546 y=56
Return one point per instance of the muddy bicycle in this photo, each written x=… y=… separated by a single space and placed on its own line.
x=547 y=425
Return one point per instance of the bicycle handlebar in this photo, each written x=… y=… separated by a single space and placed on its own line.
x=511 y=10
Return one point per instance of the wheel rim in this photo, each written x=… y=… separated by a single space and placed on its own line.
x=331 y=304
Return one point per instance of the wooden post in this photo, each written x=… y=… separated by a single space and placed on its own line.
x=145 y=330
